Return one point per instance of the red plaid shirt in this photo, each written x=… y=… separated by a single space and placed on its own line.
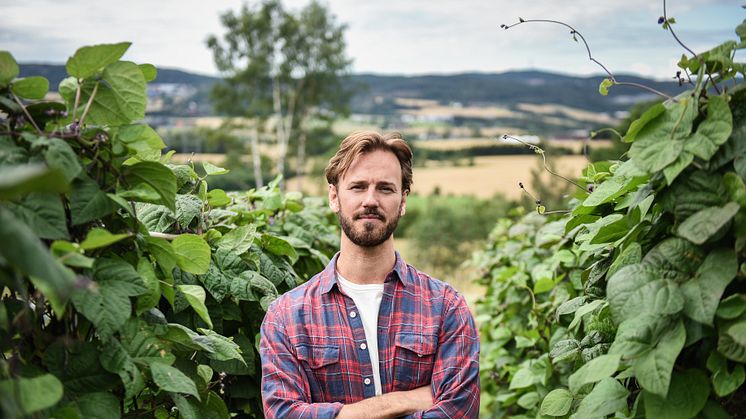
x=313 y=361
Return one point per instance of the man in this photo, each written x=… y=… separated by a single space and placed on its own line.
x=370 y=336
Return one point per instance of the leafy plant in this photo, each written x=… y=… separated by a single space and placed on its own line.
x=634 y=303
x=129 y=287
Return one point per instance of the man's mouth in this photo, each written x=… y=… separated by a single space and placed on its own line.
x=369 y=217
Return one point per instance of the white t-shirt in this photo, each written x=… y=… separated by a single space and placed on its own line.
x=367 y=298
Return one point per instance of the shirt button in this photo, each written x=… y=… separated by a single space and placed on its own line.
x=353 y=314
x=367 y=381
x=363 y=346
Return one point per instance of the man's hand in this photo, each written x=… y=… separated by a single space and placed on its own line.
x=389 y=405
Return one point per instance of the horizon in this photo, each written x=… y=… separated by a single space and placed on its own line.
x=391 y=38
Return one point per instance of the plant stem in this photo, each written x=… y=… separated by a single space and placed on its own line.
x=88 y=104
x=25 y=112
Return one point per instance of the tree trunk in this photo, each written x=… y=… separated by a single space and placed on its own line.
x=301 y=171
x=282 y=134
x=256 y=157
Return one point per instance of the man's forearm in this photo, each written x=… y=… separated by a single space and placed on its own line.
x=389 y=405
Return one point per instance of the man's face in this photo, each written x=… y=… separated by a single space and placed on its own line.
x=368 y=200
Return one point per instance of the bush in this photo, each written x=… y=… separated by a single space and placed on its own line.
x=128 y=286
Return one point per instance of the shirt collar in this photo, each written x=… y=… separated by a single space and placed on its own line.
x=328 y=277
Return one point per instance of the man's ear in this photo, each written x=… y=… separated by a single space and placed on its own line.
x=333 y=199
x=403 y=206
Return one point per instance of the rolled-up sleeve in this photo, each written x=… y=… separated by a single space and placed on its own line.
x=455 y=379
x=285 y=391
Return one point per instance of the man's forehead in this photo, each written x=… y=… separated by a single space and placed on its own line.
x=374 y=166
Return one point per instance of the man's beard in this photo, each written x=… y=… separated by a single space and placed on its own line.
x=371 y=234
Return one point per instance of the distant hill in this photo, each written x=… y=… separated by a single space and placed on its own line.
x=376 y=94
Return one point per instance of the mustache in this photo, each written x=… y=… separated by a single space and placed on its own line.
x=369 y=212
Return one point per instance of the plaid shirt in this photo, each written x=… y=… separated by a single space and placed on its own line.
x=314 y=360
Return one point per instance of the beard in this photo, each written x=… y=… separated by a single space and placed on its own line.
x=371 y=234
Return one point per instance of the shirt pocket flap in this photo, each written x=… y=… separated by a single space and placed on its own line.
x=318 y=356
x=419 y=344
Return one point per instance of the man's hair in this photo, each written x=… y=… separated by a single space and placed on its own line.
x=362 y=142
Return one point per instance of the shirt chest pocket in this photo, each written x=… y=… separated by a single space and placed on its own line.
x=323 y=368
x=414 y=360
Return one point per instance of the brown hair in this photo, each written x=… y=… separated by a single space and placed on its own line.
x=362 y=142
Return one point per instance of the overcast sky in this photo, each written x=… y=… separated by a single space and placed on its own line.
x=389 y=36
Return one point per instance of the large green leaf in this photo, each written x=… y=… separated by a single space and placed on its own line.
x=279 y=247
x=34 y=87
x=595 y=370
x=171 y=379
x=195 y=296
x=732 y=306
x=703 y=292
x=43 y=213
x=705 y=223
x=8 y=68
x=216 y=282
x=151 y=298
x=19 y=180
x=724 y=382
x=87 y=201
x=99 y=405
x=192 y=253
x=24 y=396
x=607 y=397
x=99 y=237
x=140 y=139
x=686 y=397
x=713 y=131
x=188 y=208
x=88 y=61
x=223 y=348
x=556 y=403
x=649 y=115
x=156 y=218
x=732 y=340
x=157 y=176
x=238 y=239
x=128 y=86
x=77 y=365
x=104 y=109
x=21 y=248
x=675 y=258
x=653 y=368
x=115 y=359
x=639 y=289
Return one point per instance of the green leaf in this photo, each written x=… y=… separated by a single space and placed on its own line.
x=686 y=397
x=732 y=340
x=163 y=252
x=703 y=292
x=188 y=409
x=140 y=140
x=170 y=379
x=158 y=177
x=556 y=403
x=8 y=68
x=99 y=405
x=104 y=109
x=148 y=71
x=19 y=180
x=192 y=253
x=43 y=213
x=613 y=188
x=705 y=223
x=239 y=239
x=732 y=307
x=543 y=285
x=30 y=395
x=223 y=348
x=195 y=295
x=157 y=218
x=603 y=88
x=35 y=87
x=637 y=125
x=88 y=61
x=99 y=237
x=279 y=247
x=151 y=298
x=675 y=258
x=528 y=400
x=724 y=382
x=87 y=201
x=672 y=171
x=713 y=131
x=521 y=379
x=129 y=88
x=70 y=254
x=218 y=198
x=607 y=397
x=736 y=188
x=22 y=249
x=653 y=368
x=115 y=359
x=211 y=169
x=188 y=208
x=216 y=282
x=637 y=290
x=595 y=370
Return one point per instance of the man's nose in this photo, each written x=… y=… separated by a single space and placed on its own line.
x=370 y=199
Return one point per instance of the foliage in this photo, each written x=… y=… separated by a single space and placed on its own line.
x=129 y=287
x=634 y=303
x=282 y=64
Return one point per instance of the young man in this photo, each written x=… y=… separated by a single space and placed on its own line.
x=370 y=336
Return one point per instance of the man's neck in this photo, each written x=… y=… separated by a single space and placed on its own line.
x=366 y=265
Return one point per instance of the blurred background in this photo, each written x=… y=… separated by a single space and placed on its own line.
x=270 y=88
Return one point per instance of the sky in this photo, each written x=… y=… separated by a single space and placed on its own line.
x=391 y=36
